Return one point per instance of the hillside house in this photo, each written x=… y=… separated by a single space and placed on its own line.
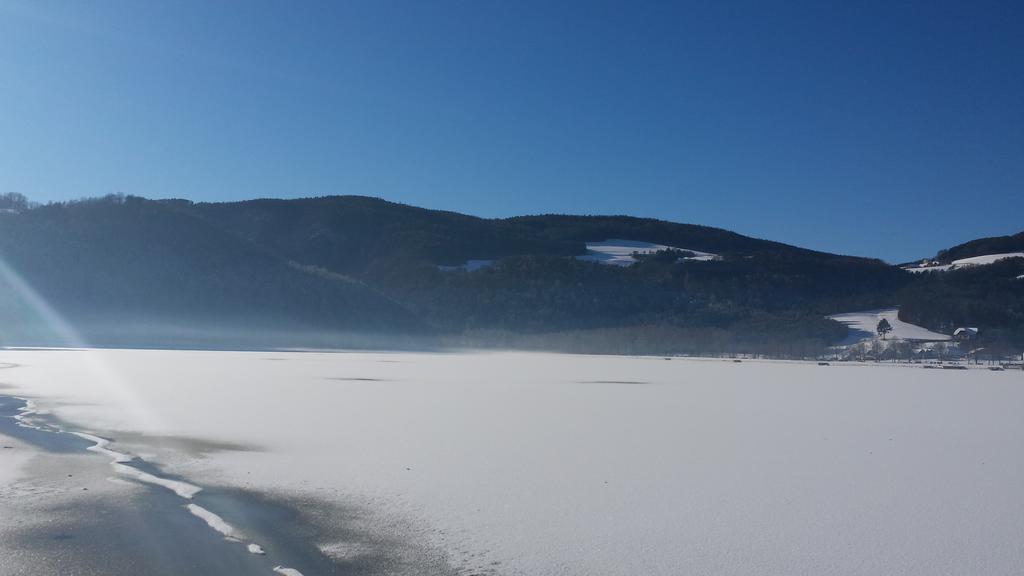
x=965 y=334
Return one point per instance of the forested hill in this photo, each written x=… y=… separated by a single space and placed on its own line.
x=355 y=234
x=116 y=267
x=983 y=246
x=581 y=229
x=350 y=270
x=985 y=289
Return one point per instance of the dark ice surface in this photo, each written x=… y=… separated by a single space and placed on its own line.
x=150 y=531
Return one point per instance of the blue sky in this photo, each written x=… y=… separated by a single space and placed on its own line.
x=887 y=129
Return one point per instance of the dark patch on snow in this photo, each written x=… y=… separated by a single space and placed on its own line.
x=153 y=533
x=50 y=438
x=188 y=445
x=612 y=382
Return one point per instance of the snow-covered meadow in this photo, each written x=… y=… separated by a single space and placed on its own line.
x=982 y=260
x=515 y=463
x=863 y=325
x=613 y=252
x=618 y=252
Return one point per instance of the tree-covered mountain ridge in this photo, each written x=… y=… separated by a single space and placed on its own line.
x=353 y=270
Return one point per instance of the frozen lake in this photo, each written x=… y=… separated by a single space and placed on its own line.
x=543 y=464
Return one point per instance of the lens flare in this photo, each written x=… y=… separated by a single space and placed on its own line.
x=40 y=322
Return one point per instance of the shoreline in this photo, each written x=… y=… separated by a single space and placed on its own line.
x=727 y=358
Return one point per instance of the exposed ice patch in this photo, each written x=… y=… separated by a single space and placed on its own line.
x=123 y=464
x=120 y=460
x=183 y=489
x=25 y=414
x=100 y=447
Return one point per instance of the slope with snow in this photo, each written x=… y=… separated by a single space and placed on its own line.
x=929 y=268
x=618 y=252
x=469 y=266
x=863 y=325
x=965 y=262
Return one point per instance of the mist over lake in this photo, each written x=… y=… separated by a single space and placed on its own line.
x=557 y=288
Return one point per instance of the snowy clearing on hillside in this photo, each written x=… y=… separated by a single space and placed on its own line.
x=966 y=262
x=469 y=266
x=617 y=252
x=986 y=259
x=863 y=326
x=933 y=268
x=511 y=464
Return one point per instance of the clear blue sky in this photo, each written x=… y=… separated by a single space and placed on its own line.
x=887 y=129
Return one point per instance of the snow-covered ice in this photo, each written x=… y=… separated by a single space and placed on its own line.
x=863 y=325
x=12 y=462
x=543 y=464
x=345 y=551
x=619 y=252
x=217 y=523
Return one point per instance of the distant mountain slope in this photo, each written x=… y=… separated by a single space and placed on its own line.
x=982 y=247
x=977 y=284
x=128 y=269
x=989 y=297
x=355 y=234
x=137 y=261
x=412 y=254
x=689 y=236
